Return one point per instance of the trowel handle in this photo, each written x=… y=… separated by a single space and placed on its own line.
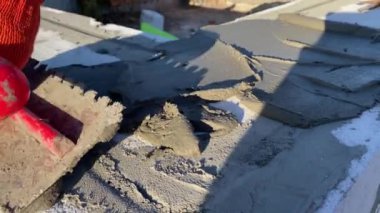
x=54 y=141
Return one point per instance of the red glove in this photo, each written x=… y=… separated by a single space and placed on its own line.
x=19 y=23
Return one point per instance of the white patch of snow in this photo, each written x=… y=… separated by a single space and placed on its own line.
x=362 y=131
x=55 y=52
x=352 y=14
x=234 y=106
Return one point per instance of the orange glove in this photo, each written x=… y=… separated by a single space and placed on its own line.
x=19 y=23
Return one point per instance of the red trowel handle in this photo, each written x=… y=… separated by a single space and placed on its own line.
x=14 y=94
x=44 y=133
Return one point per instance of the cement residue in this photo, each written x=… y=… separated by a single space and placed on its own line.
x=205 y=119
x=73 y=203
x=108 y=168
x=170 y=129
x=296 y=180
x=220 y=121
x=9 y=96
x=246 y=170
x=267 y=148
x=126 y=179
x=186 y=170
x=156 y=187
x=222 y=94
x=170 y=111
x=181 y=166
x=22 y=159
x=241 y=92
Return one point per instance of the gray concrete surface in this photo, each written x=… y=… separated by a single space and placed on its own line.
x=263 y=166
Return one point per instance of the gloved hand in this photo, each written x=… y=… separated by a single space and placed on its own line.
x=19 y=23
